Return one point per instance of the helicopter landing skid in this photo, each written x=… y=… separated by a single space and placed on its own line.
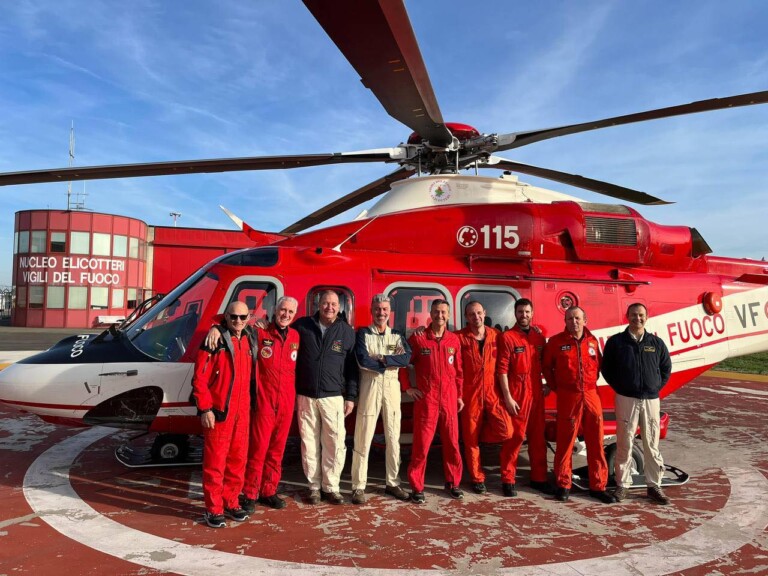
x=672 y=477
x=166 y=450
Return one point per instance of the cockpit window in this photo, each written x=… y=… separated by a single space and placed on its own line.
x=166 y=329
x=256 y=257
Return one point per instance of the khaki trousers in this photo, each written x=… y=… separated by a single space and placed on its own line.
x=629 y=413
x=321 y=427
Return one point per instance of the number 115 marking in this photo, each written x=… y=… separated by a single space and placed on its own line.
x=500 y=234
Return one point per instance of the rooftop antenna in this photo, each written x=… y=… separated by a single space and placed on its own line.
x=79 y=202
x=175 y=216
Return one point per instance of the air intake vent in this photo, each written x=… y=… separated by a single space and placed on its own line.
x=612 y=231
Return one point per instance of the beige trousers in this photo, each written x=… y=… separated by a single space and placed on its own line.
x=321 y=427
x=378 y=394
x=629 y=413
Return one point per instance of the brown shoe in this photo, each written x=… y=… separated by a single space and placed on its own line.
x=314 y=497
x=332 y=497
x=397 y=492
x=621 y=493
x=656 y=494
x=358 y=496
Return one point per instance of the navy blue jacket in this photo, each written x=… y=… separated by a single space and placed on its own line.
x=636 y=369
x=326 y=365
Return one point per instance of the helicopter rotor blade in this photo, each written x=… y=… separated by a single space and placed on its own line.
x=367 y=192
x=612 y=190
x=518 y=139
x=377 y=38
x=197 y=166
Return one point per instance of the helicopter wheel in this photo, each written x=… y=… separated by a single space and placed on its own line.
x=168 y=448
x=638 y=460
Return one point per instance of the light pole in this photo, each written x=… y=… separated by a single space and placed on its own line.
x=175 y=216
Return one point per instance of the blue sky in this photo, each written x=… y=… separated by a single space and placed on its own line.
x=155 y=80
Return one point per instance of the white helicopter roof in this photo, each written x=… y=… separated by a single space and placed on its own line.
x=449 y=189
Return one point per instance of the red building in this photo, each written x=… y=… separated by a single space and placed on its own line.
x=82 y=269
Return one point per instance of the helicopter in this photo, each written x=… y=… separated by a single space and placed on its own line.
x=436 y=232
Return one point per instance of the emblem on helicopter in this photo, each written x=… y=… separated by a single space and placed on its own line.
x=440 y=190
x=466 y=236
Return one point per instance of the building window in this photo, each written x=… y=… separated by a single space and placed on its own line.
x=21 y=296
x=118 y=297
x=99 y=298
x=58 y=241
x=133 y=251
x=37 y=246
x=120 y=246
x=79 y=243
x=78 y=296
x=55 y=297
x=410 y=307
x=132 y=298
x=101 y=244
x=36 y=294
x=23 y=241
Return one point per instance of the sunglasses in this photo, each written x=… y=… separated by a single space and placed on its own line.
x=235 y=317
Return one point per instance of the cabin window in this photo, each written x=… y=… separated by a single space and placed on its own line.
x=346 y=302
x=499 y=306
x=410 y=307
x=260 y=297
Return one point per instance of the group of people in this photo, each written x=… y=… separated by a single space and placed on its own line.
x=490 y=384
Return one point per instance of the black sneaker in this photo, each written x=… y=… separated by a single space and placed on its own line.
x=603 y=496
x=562 y=494
x=237 y=514
x=656 y=494
x=508 y=489
x=543 y=487
x=454 y=491
x=418 y=497
x=332 y=497
x=479 y=488
x=273 y=501
x=314 y=497
x=247 y=504
x=397 y=492
x=215 y=520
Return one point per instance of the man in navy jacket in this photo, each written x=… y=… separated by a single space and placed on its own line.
x=637 y=365
x=326 y=388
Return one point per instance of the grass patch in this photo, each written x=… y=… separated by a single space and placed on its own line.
x=752 y=364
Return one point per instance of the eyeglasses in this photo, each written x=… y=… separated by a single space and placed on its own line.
x=236 y=317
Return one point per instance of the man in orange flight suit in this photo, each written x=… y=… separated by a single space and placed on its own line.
x=514 y=373
x=571 y=366
x=221 y=389
x=484 y=417
x=537 y=444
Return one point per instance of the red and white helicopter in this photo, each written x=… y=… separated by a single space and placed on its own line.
x=437 y=232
